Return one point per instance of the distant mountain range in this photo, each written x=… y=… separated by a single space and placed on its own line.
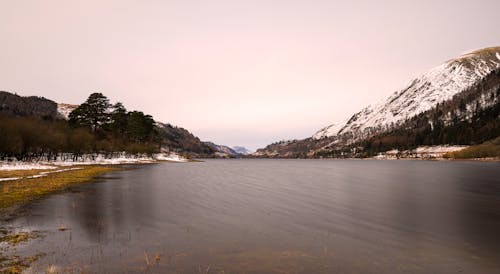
x=242 y=150
x=454 y=103
x=228 y=152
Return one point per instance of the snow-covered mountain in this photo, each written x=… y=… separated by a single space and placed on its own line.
x=423 y=93
x=222 y=150
x=456 y=103
x=242 y=150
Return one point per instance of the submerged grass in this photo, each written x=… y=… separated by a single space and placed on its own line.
x=16 y=264
x=17 y=238
x=17 y=192
x=23 y=190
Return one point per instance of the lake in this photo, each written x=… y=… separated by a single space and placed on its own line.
x=273 y=216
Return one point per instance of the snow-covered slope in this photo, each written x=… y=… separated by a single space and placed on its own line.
x=423 y=93
x=221 y=149
x=65 y=109
x=242 y=150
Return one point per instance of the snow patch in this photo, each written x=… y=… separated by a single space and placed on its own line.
x=170 y=157
x=330 y=130
x=65 y=109
x=23 y=166
x=89 y=160
x=423 y=152
x=438 y=149
x=9 y=179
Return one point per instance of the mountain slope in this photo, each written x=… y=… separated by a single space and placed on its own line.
x=221 y=150
x=461 y=93
x=423 y=93
x=242 y=150
x=15 y=105
x=180 y=140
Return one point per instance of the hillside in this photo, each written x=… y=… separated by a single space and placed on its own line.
x=35 y=127
x=180 y=140
x=454 y=103
x=15 y=105
x=242 y=150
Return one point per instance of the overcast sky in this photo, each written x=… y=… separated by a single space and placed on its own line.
x=235 y=72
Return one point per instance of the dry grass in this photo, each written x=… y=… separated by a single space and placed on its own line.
x=21 y=173
x=490 y=149
x=23 y=190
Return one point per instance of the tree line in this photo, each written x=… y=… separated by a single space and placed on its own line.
x=94 y=127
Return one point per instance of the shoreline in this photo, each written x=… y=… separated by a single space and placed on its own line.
x=16 y=192
x=23 y=182
x=384 y=159
x=30 y=185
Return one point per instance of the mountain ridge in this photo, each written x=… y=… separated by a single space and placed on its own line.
x=437 y=85
x=461 y=76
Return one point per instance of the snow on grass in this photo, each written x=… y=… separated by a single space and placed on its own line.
x=102 y=160
x=89 y=160
x=420 y=152
x=10 y=179
x=23 y=166
x=438 y=149
x=170 y=157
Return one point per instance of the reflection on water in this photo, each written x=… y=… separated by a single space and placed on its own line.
x=276 y=216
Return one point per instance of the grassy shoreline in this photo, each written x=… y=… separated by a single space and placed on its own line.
x=21 y=191
x=15 y=193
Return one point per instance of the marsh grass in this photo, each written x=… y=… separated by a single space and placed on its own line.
x=490 y=149
x=17 y=192
x=23 y=190
x=16 y=264
x=17 y=238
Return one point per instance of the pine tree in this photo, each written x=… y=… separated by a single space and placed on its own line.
x=92 y=113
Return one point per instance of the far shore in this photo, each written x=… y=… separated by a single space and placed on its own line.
x=386 y=159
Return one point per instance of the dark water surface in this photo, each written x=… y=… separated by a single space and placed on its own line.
x=275 y=216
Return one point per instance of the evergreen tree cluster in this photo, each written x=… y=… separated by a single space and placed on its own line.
x=95 y=126
x=104 y=119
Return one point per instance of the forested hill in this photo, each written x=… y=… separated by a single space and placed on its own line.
x=180 y=140
x=31 y=128
x=15 y=105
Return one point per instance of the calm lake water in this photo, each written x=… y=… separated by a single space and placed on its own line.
x=274 y=216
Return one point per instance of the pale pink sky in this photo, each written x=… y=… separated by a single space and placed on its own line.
x=235 y=72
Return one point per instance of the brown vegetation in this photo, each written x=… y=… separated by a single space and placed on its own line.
x=24 y=190
x=490 y=149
